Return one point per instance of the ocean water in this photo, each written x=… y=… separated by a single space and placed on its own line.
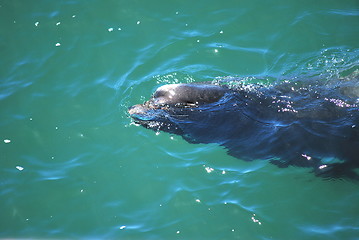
x=72 y=164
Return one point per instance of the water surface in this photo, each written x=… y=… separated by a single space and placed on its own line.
x=73 y=165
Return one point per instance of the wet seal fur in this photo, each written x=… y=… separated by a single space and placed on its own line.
x=289 y=123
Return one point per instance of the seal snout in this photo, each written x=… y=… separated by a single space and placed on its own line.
x=141 y=112
x=136 y=111
x=132 y=110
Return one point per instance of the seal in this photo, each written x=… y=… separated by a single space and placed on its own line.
x=288 y=123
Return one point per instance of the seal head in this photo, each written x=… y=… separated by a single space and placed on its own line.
x=173 y=102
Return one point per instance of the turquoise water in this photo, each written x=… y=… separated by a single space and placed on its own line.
x=73 y=165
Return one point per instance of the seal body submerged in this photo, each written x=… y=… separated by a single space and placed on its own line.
x=290 y=123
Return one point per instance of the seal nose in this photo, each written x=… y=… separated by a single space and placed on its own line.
x=141 y=113
x=135 y=109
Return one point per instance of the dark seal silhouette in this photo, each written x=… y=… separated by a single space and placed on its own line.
x=289 y=123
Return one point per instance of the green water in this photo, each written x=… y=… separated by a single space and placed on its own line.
x=73 y=166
